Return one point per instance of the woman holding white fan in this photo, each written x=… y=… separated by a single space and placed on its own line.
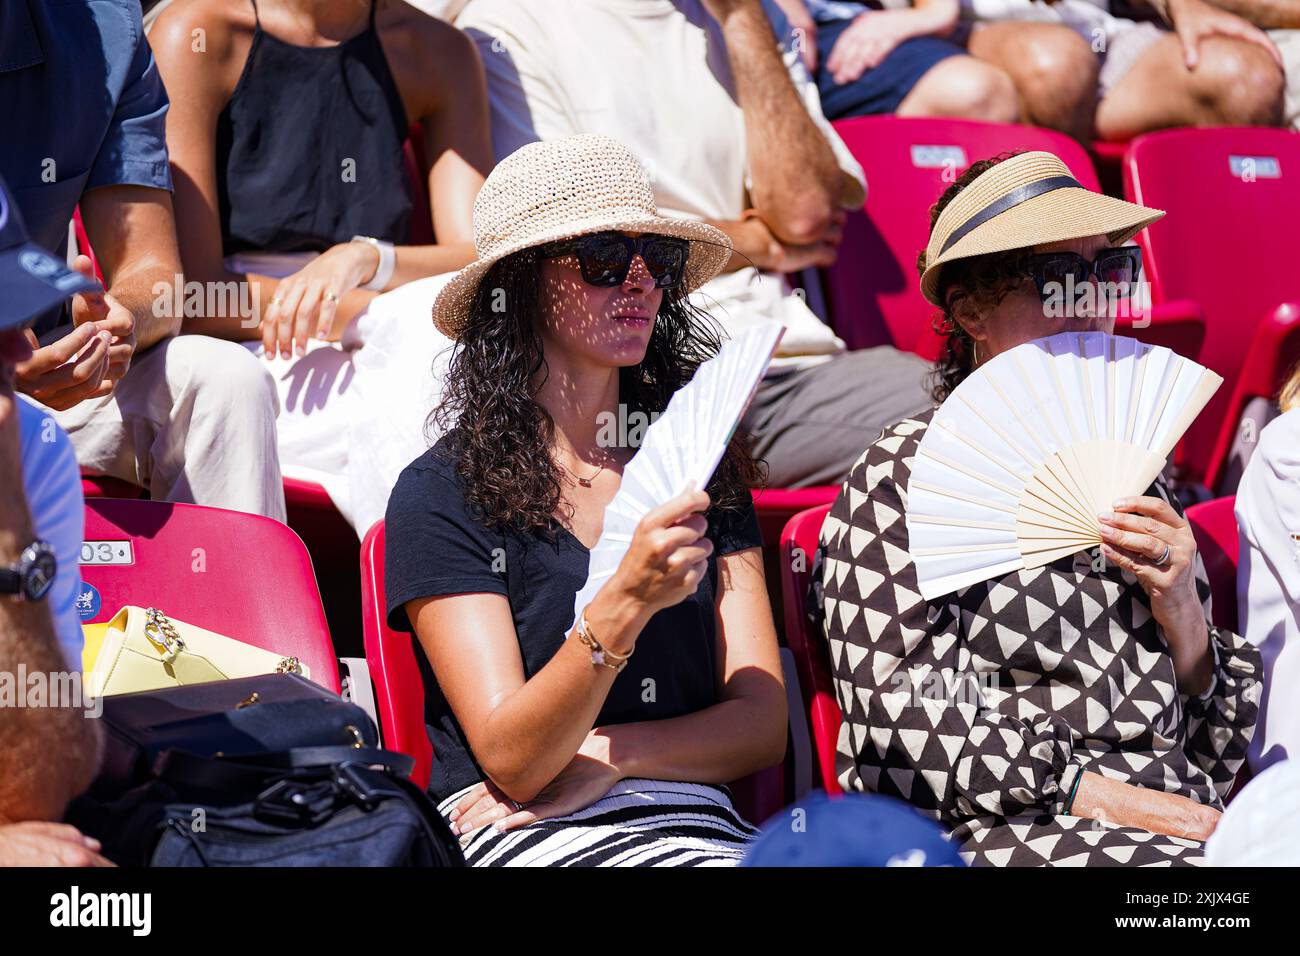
x=1076 y=709
x=606 y=742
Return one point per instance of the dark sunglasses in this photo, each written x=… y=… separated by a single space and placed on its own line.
x=1111 y=266
x=606 y=257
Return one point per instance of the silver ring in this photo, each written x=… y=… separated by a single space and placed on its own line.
x=517 y=805
x=1164 y=557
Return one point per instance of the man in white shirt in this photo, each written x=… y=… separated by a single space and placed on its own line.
x=729 y=126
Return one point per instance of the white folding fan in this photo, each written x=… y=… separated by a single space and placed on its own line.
x=681 y=447
x=1031 y=447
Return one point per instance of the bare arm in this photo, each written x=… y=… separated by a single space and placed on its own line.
x=1111 y=801
x=133 y=233
x=743 y=732
x=50 y=754
x=525 y=732
x=798 y=187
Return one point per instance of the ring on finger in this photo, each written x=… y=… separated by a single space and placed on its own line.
x=1164 y=557
x=331 y=297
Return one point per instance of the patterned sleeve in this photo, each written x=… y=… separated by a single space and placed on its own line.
x=1221 y=721
x=915 y=724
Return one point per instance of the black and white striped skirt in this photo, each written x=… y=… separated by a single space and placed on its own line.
x=638 y=823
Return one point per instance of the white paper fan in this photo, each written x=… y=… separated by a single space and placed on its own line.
x=1032 y=446
x=681 y=447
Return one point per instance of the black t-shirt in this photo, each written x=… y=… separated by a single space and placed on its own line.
x=435 y=545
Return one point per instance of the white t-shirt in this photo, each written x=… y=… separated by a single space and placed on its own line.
x=656 y=75
x=53 y=483
x=1268 y=583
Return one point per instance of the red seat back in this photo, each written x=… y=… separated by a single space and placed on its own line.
x=1214 y=524
x=241 y=575
x=806 y=642
x=399 y=691
x=1227 y=243
x=872 y=291
x=1274 y=352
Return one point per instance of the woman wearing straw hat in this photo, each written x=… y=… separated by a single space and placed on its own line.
x=606 y=743
x=1115 y=716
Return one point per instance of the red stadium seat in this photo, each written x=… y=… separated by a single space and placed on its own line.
x=240 y=575
x=1274 y=352
x=106 y=486
x=399 y=692
x=776 y=506
x=1233 y=197
x=332 y=543
x=798 y=546
x=1215 y=527
x=872 y=291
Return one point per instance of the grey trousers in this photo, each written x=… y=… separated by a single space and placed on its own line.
x=812 y=424
x=193 y=420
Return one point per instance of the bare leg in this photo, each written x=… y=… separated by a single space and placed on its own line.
x=1053 y=68
x=1235 y=84
x=965 y=87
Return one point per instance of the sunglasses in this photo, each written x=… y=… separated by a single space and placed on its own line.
x=606 y=257
x=1070 y=270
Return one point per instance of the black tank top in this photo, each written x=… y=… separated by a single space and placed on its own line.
x=309 y=148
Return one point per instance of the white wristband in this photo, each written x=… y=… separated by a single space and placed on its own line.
x=387 y=262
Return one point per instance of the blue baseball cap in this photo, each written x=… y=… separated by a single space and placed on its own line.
x=853 y=830
x=33 y=281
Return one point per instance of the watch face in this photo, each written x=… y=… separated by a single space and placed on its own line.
x=39 y=573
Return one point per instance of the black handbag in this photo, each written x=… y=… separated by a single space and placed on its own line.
x=260 y=771
x=248 y=715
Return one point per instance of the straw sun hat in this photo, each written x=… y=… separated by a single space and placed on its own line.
x=545 y=192
x=1029 y=199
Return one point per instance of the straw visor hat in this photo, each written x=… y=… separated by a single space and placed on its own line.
x=1029 y=199
x=544 y=192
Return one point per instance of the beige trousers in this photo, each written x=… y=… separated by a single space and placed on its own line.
x=192 y=421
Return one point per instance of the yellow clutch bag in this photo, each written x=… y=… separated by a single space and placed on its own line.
x=143 y=649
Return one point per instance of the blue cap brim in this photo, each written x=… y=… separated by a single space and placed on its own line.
x=33 y=282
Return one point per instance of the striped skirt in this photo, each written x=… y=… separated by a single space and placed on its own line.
x=638 y=823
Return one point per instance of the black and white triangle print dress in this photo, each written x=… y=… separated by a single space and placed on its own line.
x=982 y=706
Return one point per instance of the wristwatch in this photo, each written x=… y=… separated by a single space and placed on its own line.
x=387 y=262
x=30 y=579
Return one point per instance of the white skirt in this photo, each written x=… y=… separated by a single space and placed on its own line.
x=353 y=412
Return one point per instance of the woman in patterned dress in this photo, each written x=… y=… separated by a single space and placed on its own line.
x=1082 y=713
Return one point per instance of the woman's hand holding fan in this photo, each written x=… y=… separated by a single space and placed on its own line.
x=1152 y=541
x=663 y=566
x=1030 y=449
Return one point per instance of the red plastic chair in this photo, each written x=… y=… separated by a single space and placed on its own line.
x=776 y=506
x=106 y=486
x=798 y=545
x=872 y=291
x=399 y=693
x=237 y=574
x=1274 y=352
x=394 y=673
x=1227 y=244
x=1214 y=525
x=332 y=543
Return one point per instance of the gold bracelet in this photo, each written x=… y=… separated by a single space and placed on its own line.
x=599 y=654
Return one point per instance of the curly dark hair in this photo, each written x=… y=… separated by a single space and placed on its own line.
x=503 y=436
x=986 y=281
